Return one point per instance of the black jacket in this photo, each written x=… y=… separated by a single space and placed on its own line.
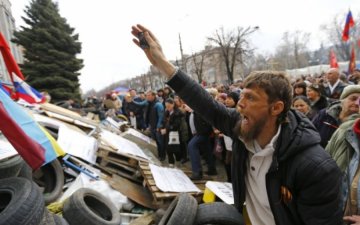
x=336 y=93
x=299 y=162
x=322 y=103
x=202 y=126
x=327 y=121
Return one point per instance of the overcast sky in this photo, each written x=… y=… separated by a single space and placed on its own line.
x=110 y=55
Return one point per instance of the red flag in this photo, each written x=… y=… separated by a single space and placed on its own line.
x=30 y=151
x=348 y=24
x=10 y=62
x=333 y=61
x=352 y=62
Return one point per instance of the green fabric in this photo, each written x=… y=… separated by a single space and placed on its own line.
x=337 y=145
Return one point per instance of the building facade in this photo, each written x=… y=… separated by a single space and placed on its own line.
x=7 y=28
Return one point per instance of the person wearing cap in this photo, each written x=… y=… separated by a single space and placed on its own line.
x=278 y=166
x=335 y=86
x=344 y=148
x=330 y=118
x=317 y=100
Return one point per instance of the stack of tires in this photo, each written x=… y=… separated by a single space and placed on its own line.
x=21 y=201
x=24 y=195
x=184 y=210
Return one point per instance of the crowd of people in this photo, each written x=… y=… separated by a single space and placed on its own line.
x=292 y=147
x=327 y=112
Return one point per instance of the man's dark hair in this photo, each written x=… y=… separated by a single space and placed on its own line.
x=276 y=85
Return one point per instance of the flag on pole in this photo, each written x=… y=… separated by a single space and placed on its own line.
x=9 y=59
x=348 y=24
x=20 y=89
x=333 y=60
x=352 y=62
x=26 y=92
x=34 y=144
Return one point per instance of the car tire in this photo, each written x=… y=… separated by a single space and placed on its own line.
x=25 y=171
x=218 y=213
x=47 y=219
x=60 y=220
x=21 y=202
x=10 y=167
x=50 y=178
x=86 y=206
x=181 y=211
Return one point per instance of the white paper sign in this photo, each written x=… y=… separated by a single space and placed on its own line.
x=78 y=144
x=138 y=135
x=172 y=180
x=223 y=190
x=121 y=144
x=6 y=149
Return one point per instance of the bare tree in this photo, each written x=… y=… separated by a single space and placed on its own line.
x=334 y=30
x=198 y=61
x=234 y=46
x=143 y=81
x=292 y=52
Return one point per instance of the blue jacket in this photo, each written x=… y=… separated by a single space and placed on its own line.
x=154 y=113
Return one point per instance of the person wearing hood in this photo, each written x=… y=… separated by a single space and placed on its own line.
x=278 y=165
x=330 y=118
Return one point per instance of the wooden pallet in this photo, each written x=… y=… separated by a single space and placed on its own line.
x=161 y=197
x=121 y=164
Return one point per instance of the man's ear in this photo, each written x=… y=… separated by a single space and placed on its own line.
x=277 y=108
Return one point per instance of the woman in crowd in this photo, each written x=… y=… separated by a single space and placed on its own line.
x=300 y=88
x=302 y=104
x=317 y=100
x=173 y=131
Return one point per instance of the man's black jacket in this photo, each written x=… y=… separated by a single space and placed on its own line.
x=299 y=163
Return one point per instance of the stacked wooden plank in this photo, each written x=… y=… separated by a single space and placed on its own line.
x=114 y=162
x=161 y=197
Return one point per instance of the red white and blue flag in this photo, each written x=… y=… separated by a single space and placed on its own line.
x=20 y=89
x=348 y=24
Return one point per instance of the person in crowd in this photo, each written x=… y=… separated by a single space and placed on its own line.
x=330 y=118
x=67 y=104
x=230 y=102
x=201 y=131
x=168 y=93
x=174 y=131
x=317 y=99
x=335 y=86
x=279 y=168
x=344 y=149
x=142 y=95
x=154 y=116
x=355 y=76
x=221 y=97
x=300 y=88
x=137 y=111
x=131 y=110
x=117 y=103
x=160 y=95
x=186 y=132
x=303 y=105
